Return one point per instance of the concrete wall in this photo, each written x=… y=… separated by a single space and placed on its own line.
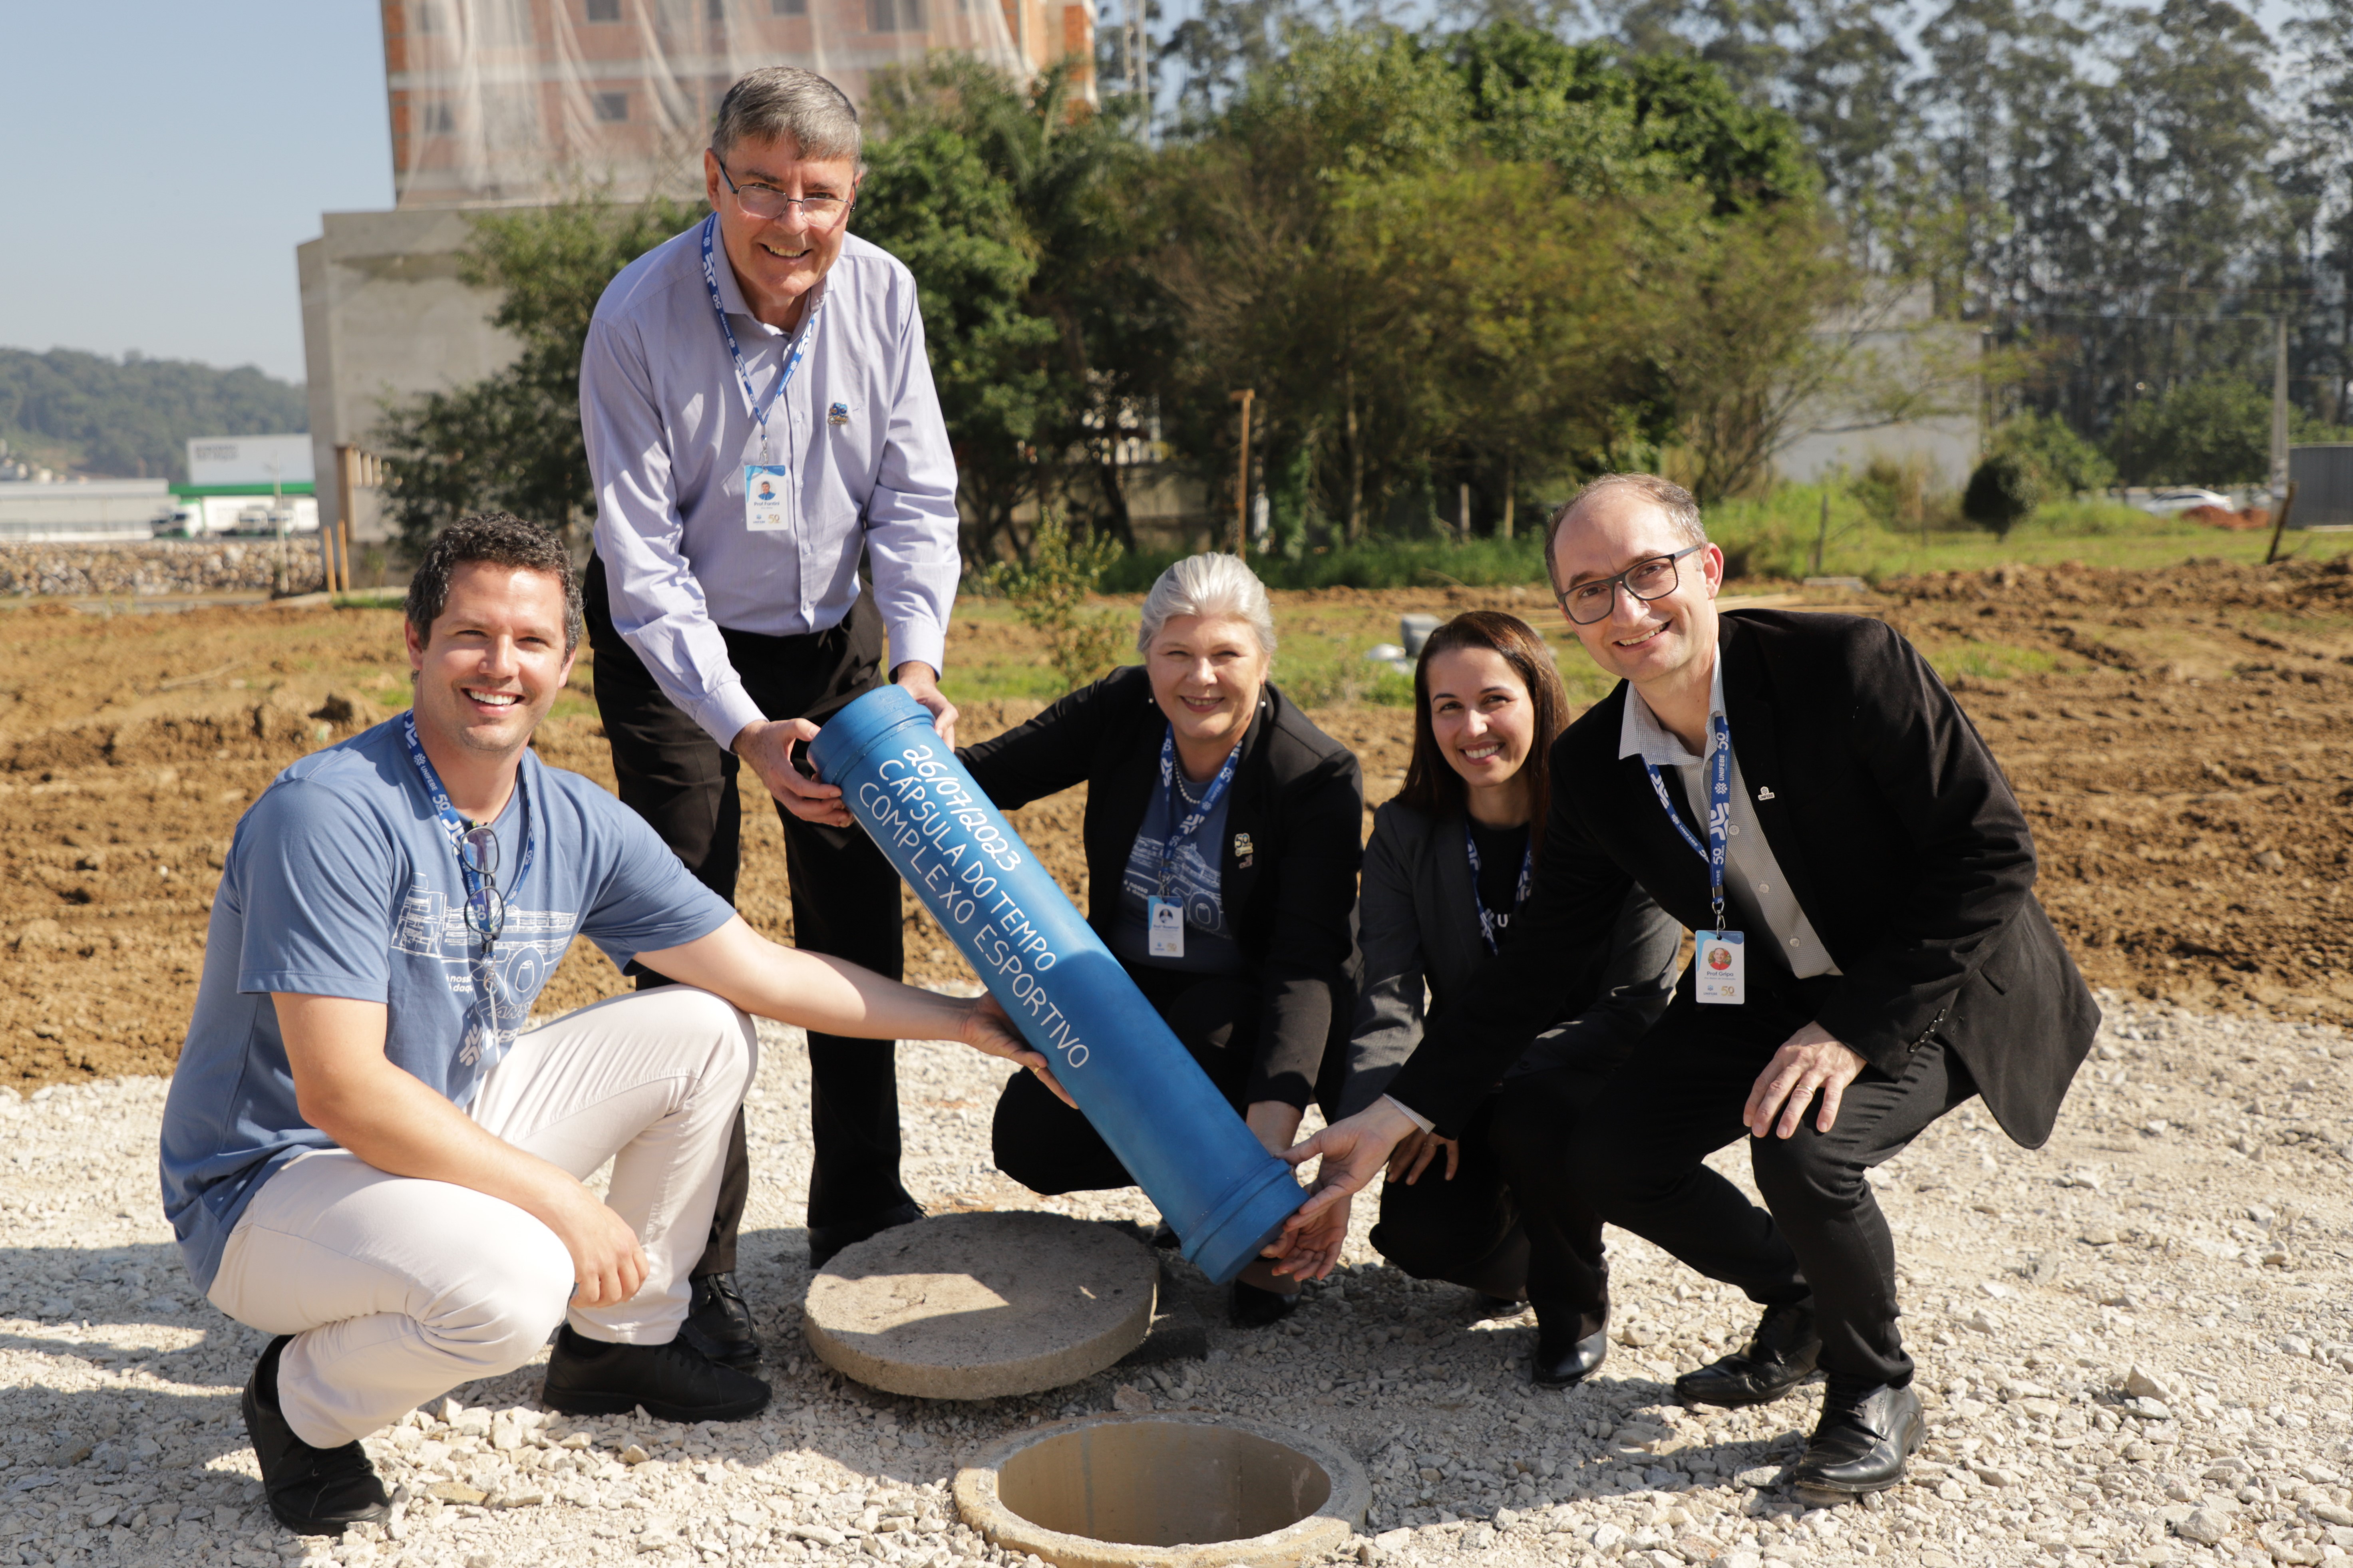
x=385 y=316
x=1900 y=354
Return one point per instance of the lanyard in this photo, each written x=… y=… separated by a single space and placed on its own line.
x=1200 y=813
x=455 y=826
x=758 y=408
x=1527 y=875
x=1719 y=810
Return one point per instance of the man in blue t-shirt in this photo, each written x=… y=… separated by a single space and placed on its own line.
x=366 y=1155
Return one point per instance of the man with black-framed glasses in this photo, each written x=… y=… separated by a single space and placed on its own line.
x=762 y=428
x=1803 y=793
x=367 y=1154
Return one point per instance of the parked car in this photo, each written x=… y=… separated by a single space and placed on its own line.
x=2171 y=502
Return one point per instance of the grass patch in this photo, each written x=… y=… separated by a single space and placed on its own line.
x=1773 y=538
x=1993 y=661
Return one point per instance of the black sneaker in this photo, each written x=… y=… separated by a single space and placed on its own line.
x=719 y=1324
x=674 y=1382
x=312 y=1491
x=824 y=1240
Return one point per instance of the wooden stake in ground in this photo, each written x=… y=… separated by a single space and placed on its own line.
x=2279 y=524
x=1241 y=477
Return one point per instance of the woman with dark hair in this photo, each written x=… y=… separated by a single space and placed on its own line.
x=1448 y=865
x=1222 y=841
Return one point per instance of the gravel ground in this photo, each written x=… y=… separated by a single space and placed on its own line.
x=2133 y=1344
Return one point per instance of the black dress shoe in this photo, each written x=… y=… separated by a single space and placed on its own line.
x=1860 y=1447
x=719 y=1324
x=1255 y=1309
x=674 y=1382
x=1164 y=1237
x=824 y=1240
x=1487 y=1309
x=1778 y=1356
x=1562 y=1359
x=313 y=1492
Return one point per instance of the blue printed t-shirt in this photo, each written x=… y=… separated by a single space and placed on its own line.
x=1197 y=878
x=342 y=882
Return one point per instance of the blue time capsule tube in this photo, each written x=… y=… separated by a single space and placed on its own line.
x=1219 y=1188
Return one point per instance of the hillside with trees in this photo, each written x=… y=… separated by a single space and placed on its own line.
x=132 y=417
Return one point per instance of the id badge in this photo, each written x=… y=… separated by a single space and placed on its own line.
x=763 y=497
x=1163 y=920
x=1721 y=964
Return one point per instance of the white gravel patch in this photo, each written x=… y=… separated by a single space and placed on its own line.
x=2133 y=1344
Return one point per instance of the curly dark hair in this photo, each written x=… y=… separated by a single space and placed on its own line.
x=1431 y=784
x=500 y=539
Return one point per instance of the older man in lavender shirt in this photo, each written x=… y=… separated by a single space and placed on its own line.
x=761 y=424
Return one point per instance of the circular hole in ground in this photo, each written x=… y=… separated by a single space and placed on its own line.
x=1161 y=1483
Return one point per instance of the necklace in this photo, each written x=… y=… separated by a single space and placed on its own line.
x=1190 y=798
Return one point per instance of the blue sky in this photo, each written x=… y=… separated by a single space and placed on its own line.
x=161 y=162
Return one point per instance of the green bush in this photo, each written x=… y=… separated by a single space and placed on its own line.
x=2062 y=462
x=2001 y=494
x=1049 y=594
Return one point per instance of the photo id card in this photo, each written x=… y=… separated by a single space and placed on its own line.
x=1164 y=923
x=764 y=498
x=1721 y=964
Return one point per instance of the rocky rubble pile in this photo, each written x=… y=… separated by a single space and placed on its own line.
x=166 y=566
x=2134 y=1345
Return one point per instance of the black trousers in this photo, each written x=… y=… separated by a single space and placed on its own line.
x=1679 y=1098
x=1050 y=1148
x=1482 y=1229
x=845 y=895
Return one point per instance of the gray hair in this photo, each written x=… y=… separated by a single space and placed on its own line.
x=1219 y=585
x=779 y=102
x=1681 y=507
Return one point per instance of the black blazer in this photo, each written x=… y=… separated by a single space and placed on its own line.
x=1294 y=825
x=1896 y=830
x=1418 y=928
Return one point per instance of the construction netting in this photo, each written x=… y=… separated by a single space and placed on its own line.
x=521 y=100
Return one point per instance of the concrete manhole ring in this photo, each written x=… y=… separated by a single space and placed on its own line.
x=1165 y=1490
x=975 y=1306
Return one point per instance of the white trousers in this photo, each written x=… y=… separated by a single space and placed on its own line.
x=397 y=1289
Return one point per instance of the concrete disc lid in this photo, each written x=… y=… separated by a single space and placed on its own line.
x=974 y=1306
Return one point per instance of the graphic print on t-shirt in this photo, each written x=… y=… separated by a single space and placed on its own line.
x=1193 y=881
x=531 y=944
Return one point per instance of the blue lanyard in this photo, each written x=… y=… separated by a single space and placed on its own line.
x=1719 y=811
x=792 y=361
x=1200 y=813
x=1527 y=876
x=455 y=826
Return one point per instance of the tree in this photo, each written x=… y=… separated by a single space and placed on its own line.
x=512 y=441
x=1740 y=350
x=2216 y=430
x=1016 y=210
x=2062 y=461
x=132 y=417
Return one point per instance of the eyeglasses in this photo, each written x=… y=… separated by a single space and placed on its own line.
x=767 y=201
x=1590 y=603
x=486 y=911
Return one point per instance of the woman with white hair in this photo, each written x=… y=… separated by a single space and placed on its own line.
x=1223 y=834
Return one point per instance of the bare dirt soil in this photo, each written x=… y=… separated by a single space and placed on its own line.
x=2178 y=738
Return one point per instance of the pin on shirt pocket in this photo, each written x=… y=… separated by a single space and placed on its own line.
x=838 y=415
